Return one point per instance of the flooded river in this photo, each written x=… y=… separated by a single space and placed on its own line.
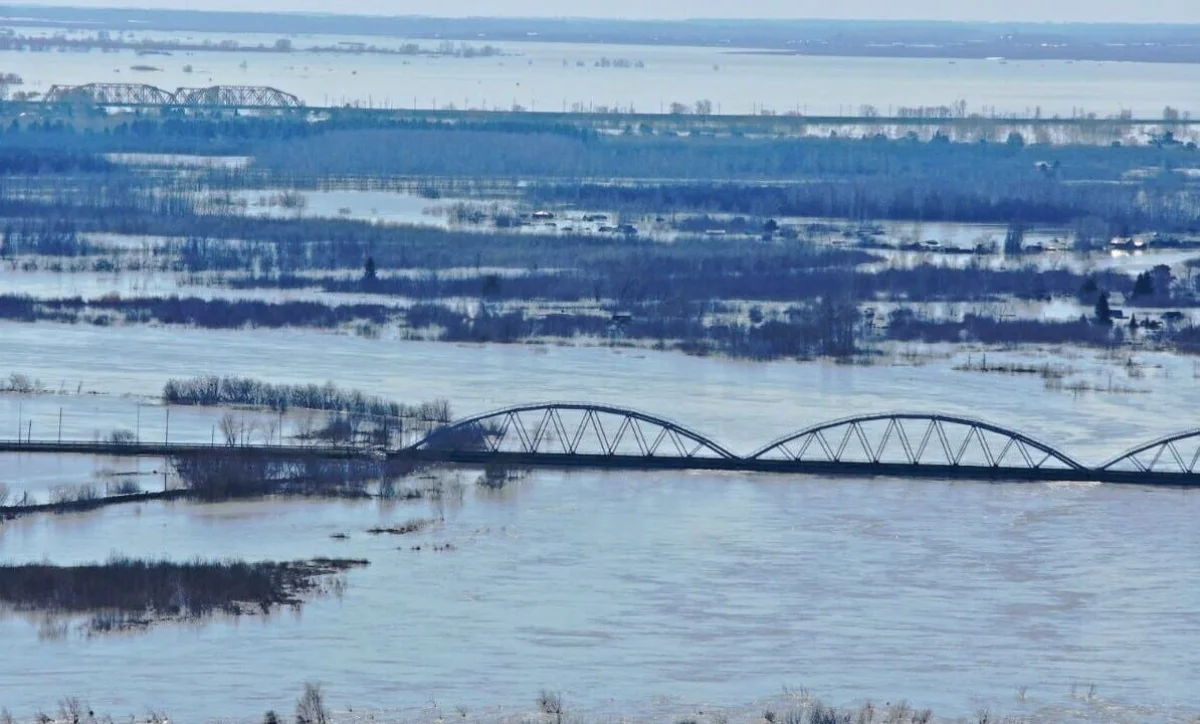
x=650 y=595
x=638 y=593
x=565 y=77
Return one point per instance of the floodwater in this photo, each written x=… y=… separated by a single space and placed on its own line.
x=650 y=596
x=563 y=77
x=634 y=593
x=637 y=594
x=740 y=404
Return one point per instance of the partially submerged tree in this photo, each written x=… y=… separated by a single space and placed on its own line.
x=310 y=708
x=1103 y=311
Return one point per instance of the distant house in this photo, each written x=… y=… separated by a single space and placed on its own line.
x=542 y=215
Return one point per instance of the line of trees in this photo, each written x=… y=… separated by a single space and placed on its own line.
x=145 y=591
x=211 y=390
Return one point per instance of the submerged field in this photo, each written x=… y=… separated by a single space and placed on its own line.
x=361 y=280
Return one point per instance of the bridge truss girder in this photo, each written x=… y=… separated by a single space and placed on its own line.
x=142 y=95
x=916 y=439
x=236 y=96
x=1177 y=453
x=116 y=94
x=573 y=429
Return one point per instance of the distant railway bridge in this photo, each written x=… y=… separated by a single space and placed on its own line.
x=140 y=95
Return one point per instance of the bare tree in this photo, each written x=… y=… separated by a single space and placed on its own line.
x=70 y=710
x=550 y=702
x=230 y=429
x=310 y=708
x=306 y=426
x=248 y=430
x=4 y=493
x=269 y=429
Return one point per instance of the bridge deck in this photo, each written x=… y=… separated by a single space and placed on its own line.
x=623 y=462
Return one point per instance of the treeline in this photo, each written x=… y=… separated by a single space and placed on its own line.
x=144 y=592
x=50 y=160
x=443 y=151
x=94 y=132
x=208 y=313
x=824 y=326
x=754 y=276
x=43 y=237
x=989 y=330
x=358 y=145
x=1166 y=202
x=234 y=474
x=1129 y=189
x=212 y=391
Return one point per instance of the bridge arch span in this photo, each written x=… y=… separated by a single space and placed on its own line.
x=913 y=438
x=117 y=94
x=236 y=96
x=1176 y=453
x=573 y=428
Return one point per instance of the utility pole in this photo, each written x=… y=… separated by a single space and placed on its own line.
x=60 y=426
x=138 y=433
x=20 y=422
x=167 y=428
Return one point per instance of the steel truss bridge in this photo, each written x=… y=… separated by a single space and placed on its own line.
x=581 y=435
x=899 y=444
x=140 y=95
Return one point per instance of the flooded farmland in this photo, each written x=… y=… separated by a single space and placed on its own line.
x=301 y=298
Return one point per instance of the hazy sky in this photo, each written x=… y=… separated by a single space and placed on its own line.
x=1168 y=11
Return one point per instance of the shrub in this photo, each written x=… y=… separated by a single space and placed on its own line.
x=310 y=708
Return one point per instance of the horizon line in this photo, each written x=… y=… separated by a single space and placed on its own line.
x=34 y=4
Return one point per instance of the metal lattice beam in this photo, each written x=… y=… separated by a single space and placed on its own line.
x=140 y=94
x=1164 y=452
x=236 y=96
x=564 y=428
x=916 y=439
x=116 y=94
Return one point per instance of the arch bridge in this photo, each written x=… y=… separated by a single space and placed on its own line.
x=904 y=444
x=236 y=96
x=583 y=435
x=917 y=439
x=140 y=95
x=1177 y=454
x=110 y=94
x=574 y=430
